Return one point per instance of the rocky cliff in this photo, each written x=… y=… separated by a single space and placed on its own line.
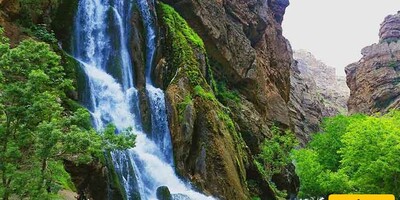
x=247 y=57
x=306 y=105
x=374 y=80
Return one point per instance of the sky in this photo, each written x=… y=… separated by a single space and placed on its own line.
x=335 y=31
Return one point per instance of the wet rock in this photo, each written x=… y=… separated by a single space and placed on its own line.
x=163 y=193
x=91 y=181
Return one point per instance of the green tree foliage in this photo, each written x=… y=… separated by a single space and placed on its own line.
x=275 y=152
x=275 y=156
x=354 y=154
x=36 y=10
x=36 y=132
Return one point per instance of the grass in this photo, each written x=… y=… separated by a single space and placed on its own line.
x=183 y=105
x=62 y=178
x=225 y=95
x=199 y=91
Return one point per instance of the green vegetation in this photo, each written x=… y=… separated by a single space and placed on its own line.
x=33 y=10
x=199 y=91
x=225 y=95
x=178 y=25
x=184 y=43
x=182 y=106
x=36 y=132
x=275 y=152
x=275 y=156
x=354 y=154
x=393 y=63
x=41 y=32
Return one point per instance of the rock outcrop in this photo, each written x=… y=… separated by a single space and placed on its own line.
x=207 y=148
x=390 y=29
x=374 y=80
x=244 y=42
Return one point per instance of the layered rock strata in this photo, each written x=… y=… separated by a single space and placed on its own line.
x=374 y=80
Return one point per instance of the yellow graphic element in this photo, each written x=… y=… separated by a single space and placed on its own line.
x=361 y=197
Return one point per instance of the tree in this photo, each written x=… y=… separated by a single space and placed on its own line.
x=36 y=132
x=354 y=154
x=371 y=153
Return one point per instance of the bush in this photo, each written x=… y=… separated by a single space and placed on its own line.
x=41 y=32
x=199 y=91
x=275 y=152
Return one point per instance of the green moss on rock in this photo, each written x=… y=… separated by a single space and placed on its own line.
x=186 y=73
x=183 y=105
x=183 y=43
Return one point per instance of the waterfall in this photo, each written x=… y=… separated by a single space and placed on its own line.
x=101 y=38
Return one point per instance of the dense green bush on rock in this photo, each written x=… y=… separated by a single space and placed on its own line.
x=275 y=156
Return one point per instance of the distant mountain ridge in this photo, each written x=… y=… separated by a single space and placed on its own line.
x=332 y=88
x=316 y=92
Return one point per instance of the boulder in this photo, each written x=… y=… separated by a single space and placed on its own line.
x=163 y=193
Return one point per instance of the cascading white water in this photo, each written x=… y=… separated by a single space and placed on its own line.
x=160 y=131
x=101 y=46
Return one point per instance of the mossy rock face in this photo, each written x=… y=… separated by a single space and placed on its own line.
x=208 y=149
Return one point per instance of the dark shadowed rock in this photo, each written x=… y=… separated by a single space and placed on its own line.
x=92 y=181
x=163 y=193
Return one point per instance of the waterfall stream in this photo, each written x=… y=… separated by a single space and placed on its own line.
x=101 y=38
